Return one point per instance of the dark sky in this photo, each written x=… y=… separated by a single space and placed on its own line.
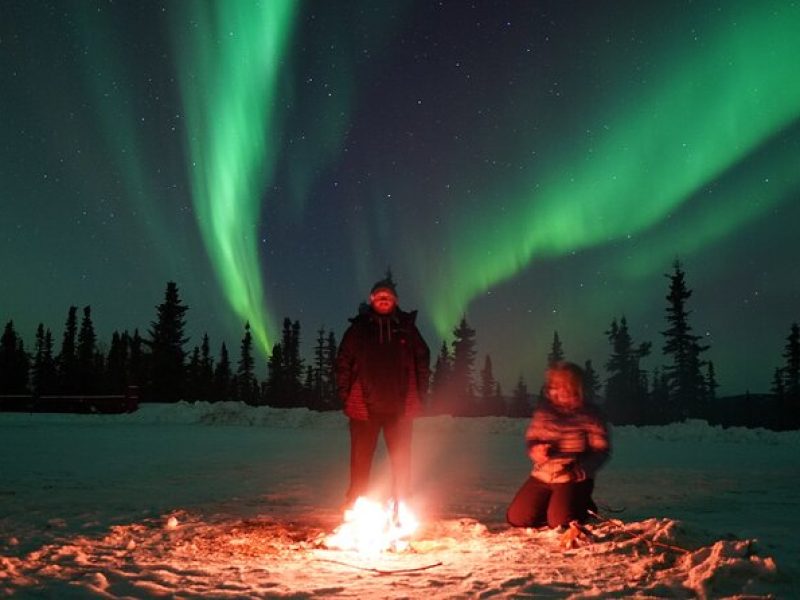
x=536 y=166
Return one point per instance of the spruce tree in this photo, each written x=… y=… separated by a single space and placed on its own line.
x=686 y=383
x=711 y=382
x=463 y=368
x=36 y=368
x=441 y=383
x=591 y=382
x=520 y=403
x=245 y=377
x=294 y=365
x=205 y=375
x=659 y=398
x=44 y=378
x=778 y=388
x=138 y=362
x=88 y=377
x=291 y=368
x=222 y=376
x=318 y=390
x=626 y=386
x=790 y=398
x=499 y=407
x=192 y=376
x=68 y=357
x=275 y=388
x=487 y=388
x=309 y=398
x=49 y=366
x=791 y=368
x=117 y=364
x=329 y=376
x=166 y=344
x=556 y=353
x=14 y=362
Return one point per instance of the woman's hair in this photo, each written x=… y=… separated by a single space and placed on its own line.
x=569 y=371
x=576 y=373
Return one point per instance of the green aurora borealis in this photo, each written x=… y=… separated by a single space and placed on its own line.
x=229 y=71
x=682 y=133
x=535 y=166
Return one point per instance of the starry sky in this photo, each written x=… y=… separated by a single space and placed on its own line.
x=535 y=166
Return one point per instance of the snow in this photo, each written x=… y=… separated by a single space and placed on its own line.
x=228 y=501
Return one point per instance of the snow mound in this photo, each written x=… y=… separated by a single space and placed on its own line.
x=240 y=414
x=700 y=431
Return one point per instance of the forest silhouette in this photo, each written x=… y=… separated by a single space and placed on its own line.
x=158 y=367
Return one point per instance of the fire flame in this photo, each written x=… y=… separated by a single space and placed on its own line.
x=370 y=528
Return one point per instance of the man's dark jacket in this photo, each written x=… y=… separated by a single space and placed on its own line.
x=382 y=366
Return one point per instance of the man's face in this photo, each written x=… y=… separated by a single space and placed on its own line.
x=383 y=301
x=564 y=391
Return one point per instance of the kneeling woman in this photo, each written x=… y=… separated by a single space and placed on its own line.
x=568 y=442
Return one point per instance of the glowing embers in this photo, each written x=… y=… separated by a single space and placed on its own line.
x=370 y=528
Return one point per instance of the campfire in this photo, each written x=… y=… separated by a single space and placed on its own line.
x=370 y=528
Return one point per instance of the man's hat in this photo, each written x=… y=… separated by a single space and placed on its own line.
x=384 y=284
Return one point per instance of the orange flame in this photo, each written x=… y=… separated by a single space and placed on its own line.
x=370 y=528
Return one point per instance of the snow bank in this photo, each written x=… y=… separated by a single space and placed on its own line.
x=191 y=413
x=240 y=414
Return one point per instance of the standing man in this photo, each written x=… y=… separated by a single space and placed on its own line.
x=382 y=371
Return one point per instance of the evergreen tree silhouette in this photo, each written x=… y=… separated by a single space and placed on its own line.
x=14 y=362
x=463 y=368
x=791 y=368
x=487 y=389
x=318 y=391
x=441 y=383
x=44 y=377
x=166 y=343
x=686 y=383
x=138 y=361
x=99 y=370
x=245 y=377
x=790 y=372
x=205 y=375
x=68 y=358
x=222 y=376
x=659 y=398
x=192 y=376
x=284 y=385
x=310 y=400
x=556 y=353
x=711 y=382
x=499 y=407
x=329 y=374
x=117 y=364
x=292 y=363
x=778 y=388
x=88 y=377
x=520 y=400
x=591 y=383
x=626 y=386
x=275 y=387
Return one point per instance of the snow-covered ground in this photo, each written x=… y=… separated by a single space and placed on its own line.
x=223 y=500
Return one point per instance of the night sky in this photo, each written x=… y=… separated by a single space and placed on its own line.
x=537 y=166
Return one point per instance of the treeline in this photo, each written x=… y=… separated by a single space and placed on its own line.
x=685 y=387
x=159 y=365
x=161 y=369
